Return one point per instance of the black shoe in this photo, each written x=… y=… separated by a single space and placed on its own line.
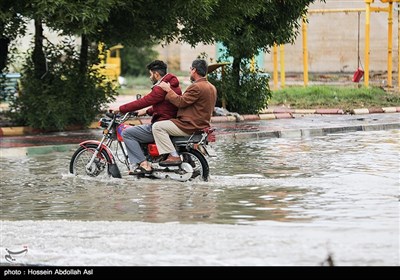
x=140 y=170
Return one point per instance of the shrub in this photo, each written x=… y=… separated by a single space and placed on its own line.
x=63 y=96
x=249 y=97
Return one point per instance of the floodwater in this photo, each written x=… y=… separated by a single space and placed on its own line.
x=278 y=201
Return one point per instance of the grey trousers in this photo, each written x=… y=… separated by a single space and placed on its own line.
x=133 y=136
x=161 y=131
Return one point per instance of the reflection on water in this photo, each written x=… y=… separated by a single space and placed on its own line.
x=342 y=177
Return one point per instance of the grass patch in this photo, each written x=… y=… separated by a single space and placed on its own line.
x=299 y=97
x=346 y=98
x=135 y=85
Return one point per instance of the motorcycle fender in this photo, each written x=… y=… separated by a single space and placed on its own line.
x=103 y=147
x=206 y=150
x=210 y=151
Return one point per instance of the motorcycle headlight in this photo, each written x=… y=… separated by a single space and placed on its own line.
x=104 y=122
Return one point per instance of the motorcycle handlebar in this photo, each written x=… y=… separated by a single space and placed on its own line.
x=111 y=115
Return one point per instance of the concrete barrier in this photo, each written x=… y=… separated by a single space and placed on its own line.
x=360 y=111
x=329 y=111
x=390 y=109
x=269 y=114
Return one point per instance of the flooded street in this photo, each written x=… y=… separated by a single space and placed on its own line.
x=280 y=201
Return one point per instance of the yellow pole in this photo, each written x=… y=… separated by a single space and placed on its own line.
x=252 y=64
x=390 y=43
x=282 y=62
x=398 y=48
x=367 y=26
x=275 y=66
x=305 y=51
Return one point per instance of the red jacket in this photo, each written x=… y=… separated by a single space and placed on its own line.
x=161 y=109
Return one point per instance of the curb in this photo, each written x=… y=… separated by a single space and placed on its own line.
x=307 y=132
x=16 y=131
x=36 y=150
x=267 y=114
x=240 y=136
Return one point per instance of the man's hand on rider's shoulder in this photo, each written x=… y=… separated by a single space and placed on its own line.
x=165 y=86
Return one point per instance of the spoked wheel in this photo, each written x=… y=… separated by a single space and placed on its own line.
x=198 y=163
x=81 y=158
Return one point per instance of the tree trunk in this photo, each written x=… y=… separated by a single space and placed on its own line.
x=236 y=73
x=38 y=57
x=4 y=41
x=83 y=56
x=3 y=53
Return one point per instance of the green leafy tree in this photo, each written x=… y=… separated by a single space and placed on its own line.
x=131 y=22
x=58 y=81
x=136 y=22
x=259 y=26
x=134 y=59
x=254 y=89
x=74 y=18
x=12 y=25
x=245 y=28
x=61 y=97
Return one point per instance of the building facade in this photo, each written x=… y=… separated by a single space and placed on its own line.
x=335 y=39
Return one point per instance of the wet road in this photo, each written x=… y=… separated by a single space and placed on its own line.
x=274 y=201
x=300 y=126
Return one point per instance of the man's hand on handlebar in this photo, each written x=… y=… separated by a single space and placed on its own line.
x=141 y=112
x=114 y=111
x=118 y=113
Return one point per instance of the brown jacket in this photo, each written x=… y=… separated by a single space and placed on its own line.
x=195 y=105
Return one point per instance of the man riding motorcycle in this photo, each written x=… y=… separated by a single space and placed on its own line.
x=160 y=110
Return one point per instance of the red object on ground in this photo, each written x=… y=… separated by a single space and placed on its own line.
x=358 y=75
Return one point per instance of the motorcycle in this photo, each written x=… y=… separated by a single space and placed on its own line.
x=94 y=158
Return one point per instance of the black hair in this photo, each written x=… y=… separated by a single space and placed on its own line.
x=158 y=66
x=201 y=66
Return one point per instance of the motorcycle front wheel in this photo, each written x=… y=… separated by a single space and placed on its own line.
x=198 y=163
x=81 y=158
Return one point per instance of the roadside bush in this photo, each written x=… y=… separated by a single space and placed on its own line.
x=249 y=97
x=62 y=96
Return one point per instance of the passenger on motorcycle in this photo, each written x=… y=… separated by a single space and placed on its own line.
x=161 y=109
x=195 y=108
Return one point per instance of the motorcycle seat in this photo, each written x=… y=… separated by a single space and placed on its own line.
x=195 y=138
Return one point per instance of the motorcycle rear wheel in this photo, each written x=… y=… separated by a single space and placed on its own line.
x=198 y=163
x=81 y=158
